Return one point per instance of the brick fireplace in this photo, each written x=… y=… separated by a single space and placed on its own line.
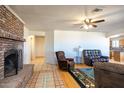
x=11 y=37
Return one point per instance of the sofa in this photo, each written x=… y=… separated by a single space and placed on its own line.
x=109 y=75
x=92 y=56
x=63 y=62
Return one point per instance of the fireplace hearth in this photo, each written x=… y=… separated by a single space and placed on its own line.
x=11 y=63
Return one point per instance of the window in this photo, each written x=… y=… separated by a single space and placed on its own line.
x=115 y=43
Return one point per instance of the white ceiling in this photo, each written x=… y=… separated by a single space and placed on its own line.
x=64 y=16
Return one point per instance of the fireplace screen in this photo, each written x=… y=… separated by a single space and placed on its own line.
x=11 y=63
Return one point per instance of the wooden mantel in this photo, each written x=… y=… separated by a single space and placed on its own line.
x=7 y=35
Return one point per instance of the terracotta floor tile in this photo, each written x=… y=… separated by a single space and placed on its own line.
x=45 y=76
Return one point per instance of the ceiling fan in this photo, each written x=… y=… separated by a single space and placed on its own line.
x=89 y=22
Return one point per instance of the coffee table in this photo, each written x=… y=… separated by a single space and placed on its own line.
x=84 y=77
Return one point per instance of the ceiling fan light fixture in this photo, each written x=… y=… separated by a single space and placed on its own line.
x=90 y=26
x=86 y=27
x=87 y=20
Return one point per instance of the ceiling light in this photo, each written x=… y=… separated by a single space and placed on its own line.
x=87 y=20
x=90 y=26
x=86 y=26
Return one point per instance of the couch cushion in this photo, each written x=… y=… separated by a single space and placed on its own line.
x=92 y=53
x=113 y=67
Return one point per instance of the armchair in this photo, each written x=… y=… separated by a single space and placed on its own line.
x=63 y=62
x=91 y=56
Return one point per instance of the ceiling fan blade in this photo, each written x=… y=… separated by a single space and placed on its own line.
x=98 y=21
x=94 y=26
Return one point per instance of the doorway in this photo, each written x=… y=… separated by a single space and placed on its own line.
x=38 y=49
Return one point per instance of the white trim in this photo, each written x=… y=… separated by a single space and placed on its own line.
x=14 y=13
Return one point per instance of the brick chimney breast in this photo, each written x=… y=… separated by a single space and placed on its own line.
x=11 y=35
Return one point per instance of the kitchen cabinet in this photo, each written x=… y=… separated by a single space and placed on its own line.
x=121 y=42
x=117 y=56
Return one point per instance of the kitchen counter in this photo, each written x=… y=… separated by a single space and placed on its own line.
x=117 y=49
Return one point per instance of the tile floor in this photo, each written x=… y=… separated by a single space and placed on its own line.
x=45 y=76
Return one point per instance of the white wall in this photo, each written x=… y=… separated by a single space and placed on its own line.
x=37 y=33
x=27 y=48
x=29 y=35
x=49 y=47
x=68 y=40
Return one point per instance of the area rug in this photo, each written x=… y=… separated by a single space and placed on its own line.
x=45 y=76
x=84 y=77
x=87 y=71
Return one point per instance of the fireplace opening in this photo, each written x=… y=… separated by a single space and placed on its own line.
x=11 y=63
